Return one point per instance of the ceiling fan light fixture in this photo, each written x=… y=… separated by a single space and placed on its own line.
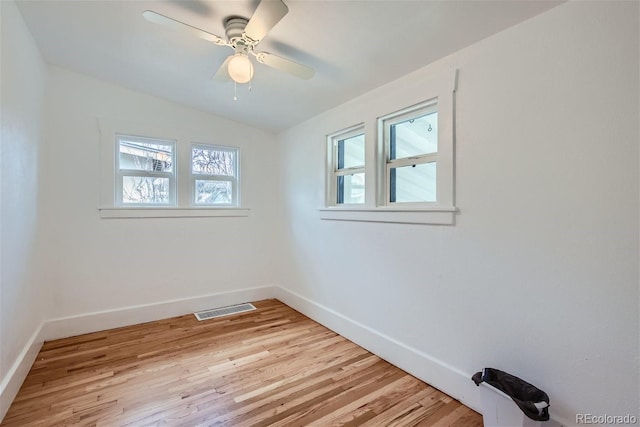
x=240 y=68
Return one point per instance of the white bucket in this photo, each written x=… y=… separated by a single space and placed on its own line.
x=499 y=410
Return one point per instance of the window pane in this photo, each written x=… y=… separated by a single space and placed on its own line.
x=351 y=188
x=144 y=189
x=351 y=152
x=414 y=137
x=144 y=156
x=212 y=162
x=413 y=183
x=210 y=192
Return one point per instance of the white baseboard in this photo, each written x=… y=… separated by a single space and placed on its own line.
x=13 y=379
x=439 y=374
x=101 y=320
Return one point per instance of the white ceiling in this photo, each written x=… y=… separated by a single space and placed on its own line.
x=354 y=47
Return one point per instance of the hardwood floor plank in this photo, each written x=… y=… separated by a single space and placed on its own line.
x=269 y=367
x=400 y=410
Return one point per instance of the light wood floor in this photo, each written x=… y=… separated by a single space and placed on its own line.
x=269 y=367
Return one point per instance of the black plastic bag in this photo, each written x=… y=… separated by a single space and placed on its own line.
x=530 y=399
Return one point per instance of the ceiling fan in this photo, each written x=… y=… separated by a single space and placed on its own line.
x=243 y=36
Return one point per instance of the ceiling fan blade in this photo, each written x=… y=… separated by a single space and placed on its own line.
x=157 y=18
x=222 y=75
x=286 y=65
x=266 y=16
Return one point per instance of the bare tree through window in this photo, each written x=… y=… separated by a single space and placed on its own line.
x=212 y=162
x=138 y=189
x=215 y=171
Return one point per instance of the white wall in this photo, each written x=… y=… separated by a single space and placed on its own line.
x=24 y=296
x=103 y=264
x=539 y=277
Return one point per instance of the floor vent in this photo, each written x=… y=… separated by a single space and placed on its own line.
x=224 y=311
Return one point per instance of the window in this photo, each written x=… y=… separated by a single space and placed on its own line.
x=346 y=151
x=214 y=175
x=166 y=173
x=145 y=171
x=410 y=140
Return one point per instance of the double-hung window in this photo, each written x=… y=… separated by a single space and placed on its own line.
x=158 y=172
x=411 y=155
x=409 y=168
x=145 y=171
x=347 y=154
x=214 y=175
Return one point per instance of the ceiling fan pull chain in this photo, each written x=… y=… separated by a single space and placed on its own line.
x=235 y=91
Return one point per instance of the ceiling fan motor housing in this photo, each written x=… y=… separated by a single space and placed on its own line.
x=234 y=28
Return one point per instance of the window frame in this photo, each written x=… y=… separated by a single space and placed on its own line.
x=121 y=173
x=235 y=179
x=107 y=208
x=384 y=129
x=334 y=171
x=441 y=86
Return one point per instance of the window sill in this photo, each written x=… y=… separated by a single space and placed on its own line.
x=432 y=215
x=165 y=212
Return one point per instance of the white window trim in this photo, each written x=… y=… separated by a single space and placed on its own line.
x=145 y=212
x=107 y=207
x=121 y=173
x=235 y=180
x=331 y=196
x=384 y=140
x=443 y=88
x=433 y=215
